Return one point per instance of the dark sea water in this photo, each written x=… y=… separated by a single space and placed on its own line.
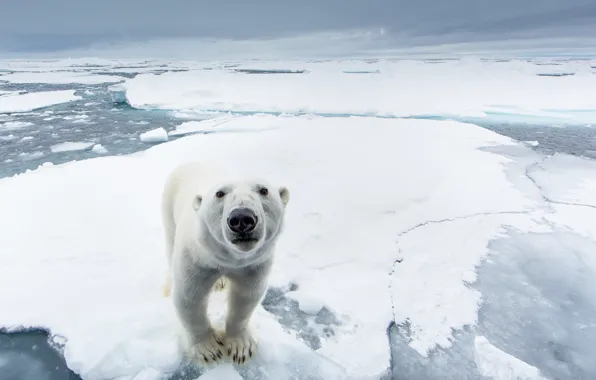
x=97 y=119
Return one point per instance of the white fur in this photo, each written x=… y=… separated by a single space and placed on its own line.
x=202 y=251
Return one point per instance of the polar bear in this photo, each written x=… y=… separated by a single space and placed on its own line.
x=218 y=229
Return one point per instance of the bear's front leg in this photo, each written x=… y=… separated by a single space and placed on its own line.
x=247 y=289
x=192 y=286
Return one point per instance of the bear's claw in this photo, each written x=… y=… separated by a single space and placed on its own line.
x=209 y=350
x=241 y=347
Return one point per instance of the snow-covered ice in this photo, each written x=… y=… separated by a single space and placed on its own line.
x=498 y=365
x=386 y=192
x=65 y=77
x=71 y=146
x=35 y=100
x=486 y=90
x=154 y=136
x=477 y=249
x=311 y=252
x=217 y=124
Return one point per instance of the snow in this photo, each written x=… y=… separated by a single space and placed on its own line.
x=311 y=252
x=154 y=136
x=498 y=365
x=487 y=90
x=35 y=100
x=70 y=146
x=65 y=77
x=480 y=250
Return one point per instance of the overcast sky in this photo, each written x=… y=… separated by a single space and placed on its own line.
x=49 y=25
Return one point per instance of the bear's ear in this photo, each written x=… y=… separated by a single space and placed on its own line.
x=196 y=202
x=284 y=194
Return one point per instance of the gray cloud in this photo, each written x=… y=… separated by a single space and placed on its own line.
x=46 y=25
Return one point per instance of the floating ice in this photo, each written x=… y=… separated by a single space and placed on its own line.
x=25 y=156
x=154 y=136
x=70 y=147
x=118 y=93
x=99 y=149
x=498 y=365
x=35 y=100
x=13 y=125
x=65 y=77
x=486 y=91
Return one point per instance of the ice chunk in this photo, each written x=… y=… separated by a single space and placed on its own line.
x=35 y=100
x=70 y=147
x=7 y=137
x=30 y=156
x=118 y=93
x=99 y=149
x=12 y=125
x=498 y=365
x=154 y=135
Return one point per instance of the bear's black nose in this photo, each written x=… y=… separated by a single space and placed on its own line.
x=242 y=220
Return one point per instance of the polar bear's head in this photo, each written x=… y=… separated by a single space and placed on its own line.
x=243 y=216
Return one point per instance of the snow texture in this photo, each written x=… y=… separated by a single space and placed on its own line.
x=35 y=100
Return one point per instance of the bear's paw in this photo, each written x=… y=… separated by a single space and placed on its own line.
x=241 y=347
x=208 y=350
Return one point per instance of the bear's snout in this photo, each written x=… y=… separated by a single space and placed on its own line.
x=242 y=220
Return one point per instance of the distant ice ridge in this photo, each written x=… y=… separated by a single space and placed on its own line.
x=415 y=254
x=35 y=100
x=477 y=91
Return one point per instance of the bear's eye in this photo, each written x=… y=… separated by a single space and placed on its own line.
x=220 y=194
x=264 y=191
